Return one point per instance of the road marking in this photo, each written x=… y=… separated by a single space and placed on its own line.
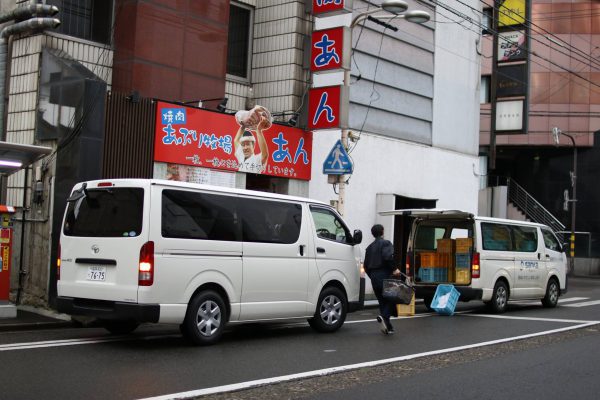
x=343 y=368
x=76 y=342
x=566 y=321
x=584 y=304
x=560 y=301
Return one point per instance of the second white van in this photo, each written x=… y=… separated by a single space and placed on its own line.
x=489 y=259
x=136 y=250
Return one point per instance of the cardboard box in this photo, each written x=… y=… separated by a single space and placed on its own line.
x=406 y=310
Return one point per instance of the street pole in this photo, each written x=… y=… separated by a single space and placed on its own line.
x=574 y=185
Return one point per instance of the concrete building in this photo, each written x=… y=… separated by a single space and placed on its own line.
x=563 y=86
x=414 y=105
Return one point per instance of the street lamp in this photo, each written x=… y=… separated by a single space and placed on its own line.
x=394 y=9
x=556 y=132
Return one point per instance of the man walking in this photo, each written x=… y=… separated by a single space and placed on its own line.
x=379 y=265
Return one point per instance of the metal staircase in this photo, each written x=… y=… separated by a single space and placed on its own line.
x=532 y=208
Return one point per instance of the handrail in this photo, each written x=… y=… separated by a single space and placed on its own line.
x=532 y=208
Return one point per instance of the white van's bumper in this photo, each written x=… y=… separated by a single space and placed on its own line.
x=113 y=310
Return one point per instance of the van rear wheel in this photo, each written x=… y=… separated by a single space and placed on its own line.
x=119 y=327
x=331 y=310
x=550 y=300
x=499 y=302
x=205 y=318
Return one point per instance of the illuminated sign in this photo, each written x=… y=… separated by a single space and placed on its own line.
x=216 y=140
x=511 y=12
x=322 y=8
x=509 y=116
x=330 y=49
x=328 y=107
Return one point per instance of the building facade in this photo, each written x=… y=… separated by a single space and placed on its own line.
x=563 y=86
x=413 y=105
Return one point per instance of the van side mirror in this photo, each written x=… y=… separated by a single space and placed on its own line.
x=357 y=237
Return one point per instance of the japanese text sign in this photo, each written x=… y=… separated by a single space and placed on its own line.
x=322 y=8
x=202 y=138
x=328 y=107
x=511 y=12
x=330 y=49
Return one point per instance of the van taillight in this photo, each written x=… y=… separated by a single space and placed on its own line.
x=58 y=263
x=475 y=270
x=146 y=265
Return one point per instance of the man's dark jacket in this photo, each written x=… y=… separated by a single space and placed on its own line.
x=379 y=255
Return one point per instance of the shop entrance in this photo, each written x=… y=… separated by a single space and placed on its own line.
x=402 y=226
x=265 y=183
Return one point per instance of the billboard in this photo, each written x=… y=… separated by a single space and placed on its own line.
x=247 y=142
x=511 y=12
x=511 y=46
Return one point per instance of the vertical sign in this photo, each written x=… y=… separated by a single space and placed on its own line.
x=328 y=107
x=330 y=49
x=5 y=253
x=325 y=8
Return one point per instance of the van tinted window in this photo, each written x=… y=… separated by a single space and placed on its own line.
x=526 y=238
x=192 y=215
x=550 y=240
x=112 y=212
x=496 y=237
x=270 y=221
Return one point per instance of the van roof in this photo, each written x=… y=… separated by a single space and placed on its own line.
x=177 y=184
x=438 y=213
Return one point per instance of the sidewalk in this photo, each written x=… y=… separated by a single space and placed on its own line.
x=30 y=318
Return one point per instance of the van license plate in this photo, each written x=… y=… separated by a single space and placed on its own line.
x=96 y=273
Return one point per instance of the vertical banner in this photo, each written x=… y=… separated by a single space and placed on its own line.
x=246 y=142
x=330 y=49
x=326 y=8
x=511 y=12
x=328 y=107
x=5 y=256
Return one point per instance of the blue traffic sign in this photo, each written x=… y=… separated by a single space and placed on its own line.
x=338 y=161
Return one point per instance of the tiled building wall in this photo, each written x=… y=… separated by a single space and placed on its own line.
x=278 y=80
x=23 y=85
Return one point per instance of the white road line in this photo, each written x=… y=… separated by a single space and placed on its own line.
x=76 y=342
x=560 y=301
x=342 y=368
x=584 y=304
x=566 y=321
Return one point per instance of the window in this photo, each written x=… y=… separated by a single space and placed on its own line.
x=550 y=240
x=427 y=237
x=85 y=19
x=329 y=226
x=487 y=21
x=190 y=215
x=239 y=40
x=525 y=237
x=106 y=213
x=270 y=221
x=496 y=237
x=485 y=89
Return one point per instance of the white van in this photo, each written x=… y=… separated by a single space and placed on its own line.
x=138 y=250
x=489 y=259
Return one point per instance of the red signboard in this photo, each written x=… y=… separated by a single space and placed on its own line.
x=192 y=136
x=331 y=7
x=328 y=107
x=328 y=49
x=5 y=256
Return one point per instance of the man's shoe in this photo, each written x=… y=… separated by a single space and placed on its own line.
x=384 y=328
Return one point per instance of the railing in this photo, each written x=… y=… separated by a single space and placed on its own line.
x=532 y=208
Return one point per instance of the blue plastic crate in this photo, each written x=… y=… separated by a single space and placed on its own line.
x=433 y=274
x=445 y=299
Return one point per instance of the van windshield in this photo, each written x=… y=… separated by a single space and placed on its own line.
x=113 y=212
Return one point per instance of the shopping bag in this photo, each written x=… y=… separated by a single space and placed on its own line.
x=397 y=291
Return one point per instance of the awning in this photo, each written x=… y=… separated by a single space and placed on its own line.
x=15 y=156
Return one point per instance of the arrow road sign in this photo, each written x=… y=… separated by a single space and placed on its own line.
x=338 y=161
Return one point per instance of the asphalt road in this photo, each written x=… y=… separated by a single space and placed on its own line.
x=525 y=352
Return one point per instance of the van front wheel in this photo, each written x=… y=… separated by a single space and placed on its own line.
x=499 y=301
x=205 y=318
x=331 y=311
x=550 y=300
